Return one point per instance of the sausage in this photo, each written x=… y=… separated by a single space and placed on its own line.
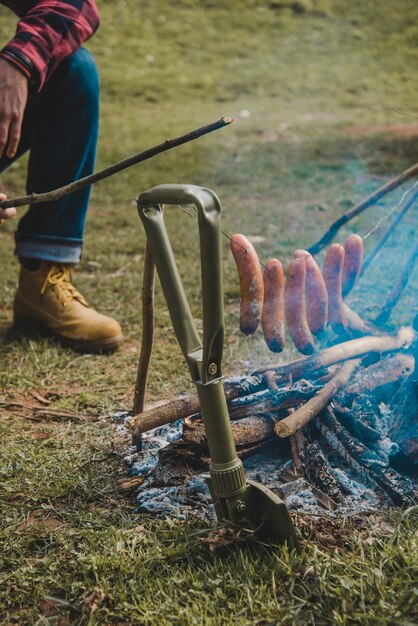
x=316 y=296
x=301 y=254
x=332 y=273
x=352 y=263
x=295 y=310
x=272 y=319
x=251 y=283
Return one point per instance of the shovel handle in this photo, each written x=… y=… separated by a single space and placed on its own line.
x=204 y=361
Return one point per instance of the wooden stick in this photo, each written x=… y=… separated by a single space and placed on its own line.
x=148 y=315
x=302 y=416
x=168 y=144
x=398 y=289
x=243 y=387
x=361 y=206
x=342 y=352
x=392 y=227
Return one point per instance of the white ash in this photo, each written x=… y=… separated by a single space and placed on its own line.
x=192 y=498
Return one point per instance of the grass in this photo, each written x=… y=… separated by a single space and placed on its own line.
x=297 y=80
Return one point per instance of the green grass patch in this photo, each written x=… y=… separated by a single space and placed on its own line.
x=312 y=84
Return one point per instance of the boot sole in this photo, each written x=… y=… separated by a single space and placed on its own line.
x=95 y=347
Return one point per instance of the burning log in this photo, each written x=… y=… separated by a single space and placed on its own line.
x=380 y=377
x=245 y=386
x=342 y=352
x=370 y=466
x=294 y=422
x=318 y=472
x=403 y=427
x=297 y=446
x=189 y=455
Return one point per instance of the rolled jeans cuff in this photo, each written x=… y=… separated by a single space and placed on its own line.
x=48 y=249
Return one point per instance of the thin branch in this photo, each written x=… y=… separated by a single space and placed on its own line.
x=56 y=194
x=398 y=289
x=302 y=416
x=148 y=311
x=391 y=229
x=342 y=352
x=361 y=206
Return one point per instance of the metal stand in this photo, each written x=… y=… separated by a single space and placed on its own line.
x=237 y=499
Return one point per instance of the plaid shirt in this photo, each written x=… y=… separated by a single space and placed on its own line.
x=48 y=31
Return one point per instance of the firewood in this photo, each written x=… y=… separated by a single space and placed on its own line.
x=297 y=445
x=244 y=386
x=366 y=462
x=294 y=422
x=403 y=428
x=247 y=432
x=318 y=472
x=381 y=375
x=342 y=352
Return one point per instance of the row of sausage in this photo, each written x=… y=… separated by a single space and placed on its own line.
x=307 y=299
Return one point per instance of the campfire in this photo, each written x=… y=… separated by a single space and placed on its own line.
x=334 y=431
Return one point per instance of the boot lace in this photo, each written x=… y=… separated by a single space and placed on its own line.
x=59 y=279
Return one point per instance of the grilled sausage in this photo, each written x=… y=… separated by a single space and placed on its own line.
x=352 y=263
x=332 y=273
x=272 y=319
x=295 y=310
x=316 y=297
x=301 y=254
x=251 y=283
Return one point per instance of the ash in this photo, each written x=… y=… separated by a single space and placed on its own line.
x=352 y=490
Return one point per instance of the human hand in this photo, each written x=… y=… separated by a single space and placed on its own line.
x=6 y=214
x=13 y=99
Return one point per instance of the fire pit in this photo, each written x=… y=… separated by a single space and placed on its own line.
x=334 y=431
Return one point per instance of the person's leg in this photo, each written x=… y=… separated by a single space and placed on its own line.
x=63 y=140
x=60 y=128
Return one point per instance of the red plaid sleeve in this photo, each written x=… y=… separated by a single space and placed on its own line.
x=49 y=31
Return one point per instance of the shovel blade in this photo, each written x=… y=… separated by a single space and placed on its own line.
x=257 y=511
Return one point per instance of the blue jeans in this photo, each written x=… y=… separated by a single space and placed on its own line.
x=60 y=129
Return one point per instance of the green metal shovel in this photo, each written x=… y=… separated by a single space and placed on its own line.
x=237 y=499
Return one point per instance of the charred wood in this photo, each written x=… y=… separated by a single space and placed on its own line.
x=317 y=471
x=177 y=462
x=247 y=432
x=383 y=377
x=370 y=466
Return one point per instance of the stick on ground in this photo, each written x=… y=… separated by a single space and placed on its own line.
x=168 y=144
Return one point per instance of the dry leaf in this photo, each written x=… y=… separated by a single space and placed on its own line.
x=91 y=601
x=222 y=537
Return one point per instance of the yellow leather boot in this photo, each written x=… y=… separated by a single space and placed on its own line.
x=47 y=299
